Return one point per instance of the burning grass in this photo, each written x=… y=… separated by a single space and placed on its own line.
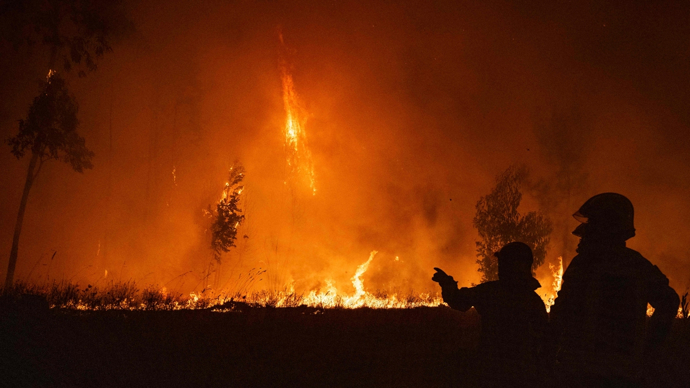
x=128 y=295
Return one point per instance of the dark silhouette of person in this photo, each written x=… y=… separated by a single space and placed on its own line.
x=597 y=323
x=513 y=318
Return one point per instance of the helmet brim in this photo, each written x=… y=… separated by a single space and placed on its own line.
x=580 y=218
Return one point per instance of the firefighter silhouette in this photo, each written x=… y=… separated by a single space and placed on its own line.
x=513 y=318
x=597 y=324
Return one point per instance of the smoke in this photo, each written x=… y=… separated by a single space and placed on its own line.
x=412 y=110
x=563 y=137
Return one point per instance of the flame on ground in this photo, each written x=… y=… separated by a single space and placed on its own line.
x=330 y=297
x=69 y=296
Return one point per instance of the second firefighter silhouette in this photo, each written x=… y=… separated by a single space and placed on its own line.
x=513 y=317
x=599 y=327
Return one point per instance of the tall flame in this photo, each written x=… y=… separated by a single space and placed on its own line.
x=557 y=273
x=299 y=160
x=331 y=298
x=356 y=281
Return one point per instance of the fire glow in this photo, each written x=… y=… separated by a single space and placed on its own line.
x=300 y=170
x=300 y=173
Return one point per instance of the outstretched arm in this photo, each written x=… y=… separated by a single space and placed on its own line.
x=459 y=299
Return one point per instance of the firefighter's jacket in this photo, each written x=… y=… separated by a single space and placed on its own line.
x=513 y=320
x=599 y=317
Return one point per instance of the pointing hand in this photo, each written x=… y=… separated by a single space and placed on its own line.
x=443 y=278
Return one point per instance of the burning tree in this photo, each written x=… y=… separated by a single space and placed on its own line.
x=498 y=222
x=227 y=215
x=49 y=132
x=299 y=158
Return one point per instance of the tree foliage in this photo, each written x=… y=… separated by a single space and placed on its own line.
x=499 y=222
x=227 y=216
x=50 y=128
x=77 y=32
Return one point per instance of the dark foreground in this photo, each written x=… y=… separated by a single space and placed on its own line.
x=259 y=347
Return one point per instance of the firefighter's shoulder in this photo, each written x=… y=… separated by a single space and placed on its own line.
x=645 y=267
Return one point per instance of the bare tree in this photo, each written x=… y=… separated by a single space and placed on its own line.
x=498 y=222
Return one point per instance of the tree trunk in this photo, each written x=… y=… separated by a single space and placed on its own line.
x=20 y=218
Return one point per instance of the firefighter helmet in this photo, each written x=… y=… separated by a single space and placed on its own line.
x=606 y=215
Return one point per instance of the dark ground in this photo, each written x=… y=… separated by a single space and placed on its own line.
x=260 y=347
